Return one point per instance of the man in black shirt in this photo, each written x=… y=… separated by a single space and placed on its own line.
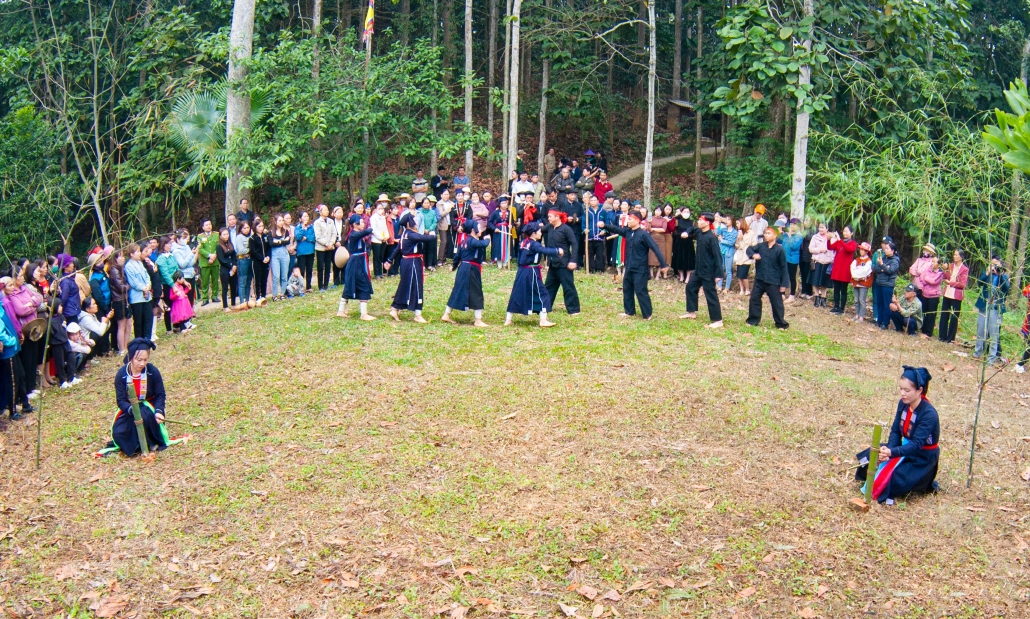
x=574 y=211
x=771 y=279
x=560 y=270
x=707 y=271
x=638 y=243
x=438 y=183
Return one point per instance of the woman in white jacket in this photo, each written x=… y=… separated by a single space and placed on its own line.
x=862 y=278
x=380 y=234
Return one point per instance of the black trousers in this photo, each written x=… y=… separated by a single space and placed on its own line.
x=29 y=356
x=609 y=247
x=64 y=363
x=805 y=269
x=306 y=264
x=395 y=268
x=598 y=264
x=930 y=305
x=325 y=266
x=166 y=296
x=7 y=386
x=430 y=253
x=908 y=325
x=378 y=255
x=711 y=296
x=260 y=278
x=950 y=310
x=562 y=277
x=754 y=310
x=337 y=274
x=634 y=283
x=228 y=288
x=792 y=273
x=840 y=295
x=142 y=319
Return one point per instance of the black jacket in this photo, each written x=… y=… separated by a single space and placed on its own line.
x=260 y=247
x=708 y=259
x=638 y=243
x=771 y=267
x=564 y=238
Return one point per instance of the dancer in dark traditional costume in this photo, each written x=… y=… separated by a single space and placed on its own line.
x=142 y=376
x=357 y=282
x=468 y=282
x=908 y=462
x=637 y=243
x=528 y=294
x=410 y=252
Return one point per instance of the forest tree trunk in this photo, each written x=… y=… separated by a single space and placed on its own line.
x=513 y=114
x=468 y=81
x=237 y=106
x=797 y=189
x=652 y=63
x=673 y=113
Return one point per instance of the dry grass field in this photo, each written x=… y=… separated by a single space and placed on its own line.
x=603 y=468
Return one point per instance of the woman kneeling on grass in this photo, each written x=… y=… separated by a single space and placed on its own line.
x=150 y=391
x=908 y=462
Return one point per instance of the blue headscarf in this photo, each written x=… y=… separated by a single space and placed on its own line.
x=920 y=377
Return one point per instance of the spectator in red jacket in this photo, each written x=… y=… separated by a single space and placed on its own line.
x=602 y=186
x=840 y=274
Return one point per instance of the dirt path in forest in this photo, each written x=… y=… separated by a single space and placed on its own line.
x=636 y=171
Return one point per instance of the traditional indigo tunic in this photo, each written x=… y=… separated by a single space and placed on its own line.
x=528 y=294
x=356 y=282
x=410 y=288
x=150 y=389
x=468 y=281
x=914 y=454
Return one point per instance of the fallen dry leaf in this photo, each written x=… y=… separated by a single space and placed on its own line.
x=97 y=477
x=507 y=417
x=588 y=592
x=822 y=591
x=612 y=596
x=1025 y=474
x=743 y=594
x=459 y=612
x=806 y=613
x=974 y=508
x=668 y=583
x=466 y=569
x=215 y=578
x=349 y=584
x=109 y=607
x=65 y=572
x=568 y=610
x=768 y=558
x=639 y=585
x=598 y=611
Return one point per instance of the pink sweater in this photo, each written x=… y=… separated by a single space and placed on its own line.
x=25 y=302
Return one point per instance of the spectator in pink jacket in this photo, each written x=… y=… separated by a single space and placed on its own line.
x=927 y=276
x=956 y=277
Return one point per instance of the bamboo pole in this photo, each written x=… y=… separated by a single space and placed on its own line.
x=137 y=418
x=874 y=456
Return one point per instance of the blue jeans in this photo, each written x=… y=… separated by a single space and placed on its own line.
x=280 y=270
x=883 y=295
x=988 y=331
x=727 y=267
x=245 y=275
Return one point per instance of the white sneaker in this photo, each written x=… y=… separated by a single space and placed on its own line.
x=1020 y=369
x=66 y=385
x=33 y=395
x=76 y=380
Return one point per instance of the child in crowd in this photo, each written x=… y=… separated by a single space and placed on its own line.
x=295 y=285
x=80 y=344
x=61 y=350
x=182 y=309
